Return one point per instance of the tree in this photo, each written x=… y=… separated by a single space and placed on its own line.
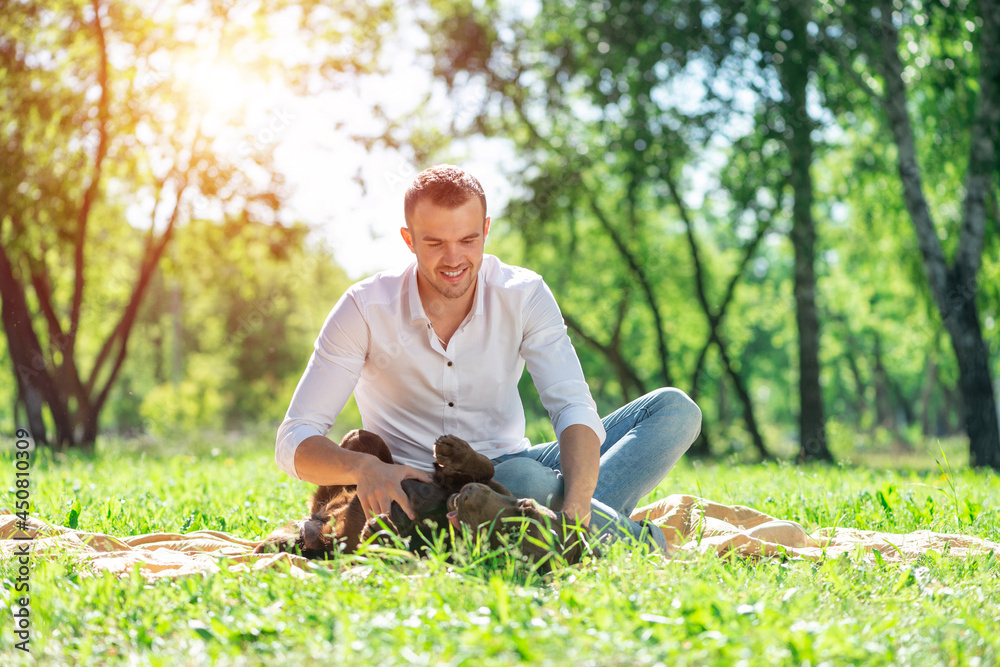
x=876 y=27
x=111 y=116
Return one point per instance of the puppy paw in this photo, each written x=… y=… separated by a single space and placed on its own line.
x=452 y=453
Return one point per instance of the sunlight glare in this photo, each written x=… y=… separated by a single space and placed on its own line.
x=222 y=89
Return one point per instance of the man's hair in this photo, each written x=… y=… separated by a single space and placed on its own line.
x=444 y=185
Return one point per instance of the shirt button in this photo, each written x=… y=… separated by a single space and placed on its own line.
x=450 y=364
x=451 y=405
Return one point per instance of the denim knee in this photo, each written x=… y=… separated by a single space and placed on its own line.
x=527 y=478
x=673 y=402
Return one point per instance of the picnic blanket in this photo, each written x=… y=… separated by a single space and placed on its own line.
x=691 y=525
x=155 y=555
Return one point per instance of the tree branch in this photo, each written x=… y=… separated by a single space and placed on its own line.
x=95 y=181
x=909 y=170
x=626 y=373
x=644 y=283
x=119 y=335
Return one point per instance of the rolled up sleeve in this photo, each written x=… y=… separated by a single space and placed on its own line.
x=554 y=366
x=329 y=378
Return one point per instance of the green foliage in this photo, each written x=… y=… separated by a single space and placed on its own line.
x=119 y=123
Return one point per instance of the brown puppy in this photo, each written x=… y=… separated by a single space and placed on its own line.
x=503 y=519
x=337 y=522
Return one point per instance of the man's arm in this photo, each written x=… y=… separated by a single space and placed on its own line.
x=321 y=461
x=580 y=455
x=558 y=376
x=303 y=451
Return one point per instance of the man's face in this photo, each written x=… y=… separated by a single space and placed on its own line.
x=448 y=244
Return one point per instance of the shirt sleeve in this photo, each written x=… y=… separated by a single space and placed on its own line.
x=555 y=369
x=330 y=376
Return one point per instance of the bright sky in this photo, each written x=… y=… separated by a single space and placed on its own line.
x=312 y=145
x=361 y=225
x=323 y=165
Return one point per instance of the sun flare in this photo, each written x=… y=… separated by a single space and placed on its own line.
x=222 y=88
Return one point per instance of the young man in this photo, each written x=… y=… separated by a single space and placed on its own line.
x=439 y=348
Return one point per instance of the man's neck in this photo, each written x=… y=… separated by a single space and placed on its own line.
x=444 y=313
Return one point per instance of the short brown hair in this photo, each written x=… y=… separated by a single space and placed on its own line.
x=444 y=185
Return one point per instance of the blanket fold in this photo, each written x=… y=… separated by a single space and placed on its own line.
x=155 y=555
x=693 y=524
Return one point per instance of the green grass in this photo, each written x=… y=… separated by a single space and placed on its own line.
x=624 y=609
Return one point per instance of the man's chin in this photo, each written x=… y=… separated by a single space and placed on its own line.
x=453 y=291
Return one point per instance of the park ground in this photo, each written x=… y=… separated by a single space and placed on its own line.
x=628 y=608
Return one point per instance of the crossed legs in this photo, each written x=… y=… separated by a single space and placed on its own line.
x=645 y=439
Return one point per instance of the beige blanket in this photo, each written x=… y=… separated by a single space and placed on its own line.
x=694 y=524
x=155 y=555
x=691 y=525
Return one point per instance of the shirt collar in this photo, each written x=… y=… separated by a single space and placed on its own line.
x=477 y=306
x=416 y=307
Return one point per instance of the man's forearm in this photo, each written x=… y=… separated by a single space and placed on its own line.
x=321 y=461
x=580 y=454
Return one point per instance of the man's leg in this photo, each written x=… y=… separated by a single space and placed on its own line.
x=645 y=439
x=526 y=477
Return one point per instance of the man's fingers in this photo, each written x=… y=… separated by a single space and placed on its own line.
x=365 y=507
x=404 y=502
x=374 y=504
x=410 y=472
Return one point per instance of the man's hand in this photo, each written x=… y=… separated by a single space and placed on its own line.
x=578 y=512
x=379 y=486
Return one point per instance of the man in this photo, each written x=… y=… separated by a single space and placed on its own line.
x=439 y=348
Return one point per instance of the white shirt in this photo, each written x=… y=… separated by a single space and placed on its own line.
x=378 y=342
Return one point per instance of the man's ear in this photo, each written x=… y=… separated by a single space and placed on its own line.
x=405 y=233
x=486 y=229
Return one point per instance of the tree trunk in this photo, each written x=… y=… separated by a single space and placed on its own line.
x=974 y=382
x=928 y=410
x=794 y=72
x=34 y=381
x=954 y=287
x=32 y=400
x=885 y=416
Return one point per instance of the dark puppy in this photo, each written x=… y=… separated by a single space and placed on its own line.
x=503 y=519
x=337 y=522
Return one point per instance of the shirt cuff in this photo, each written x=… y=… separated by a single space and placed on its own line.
x=290 y=435
x=580 y=414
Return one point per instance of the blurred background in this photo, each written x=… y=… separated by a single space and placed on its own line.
x=787 y=208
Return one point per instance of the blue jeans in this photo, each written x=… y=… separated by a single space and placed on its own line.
x=645 y=439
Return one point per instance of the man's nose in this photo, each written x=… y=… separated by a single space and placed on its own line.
x=452 y=254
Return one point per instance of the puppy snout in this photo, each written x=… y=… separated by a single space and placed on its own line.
x=470 y=492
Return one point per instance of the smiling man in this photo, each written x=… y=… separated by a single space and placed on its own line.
x=439 y=348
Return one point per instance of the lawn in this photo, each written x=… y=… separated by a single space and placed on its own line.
x=628 y=608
